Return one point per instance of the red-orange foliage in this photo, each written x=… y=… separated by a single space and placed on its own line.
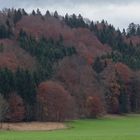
x=17 y=110
x=116 y=78
x=124 y=72
x=94 y=106
x=57 y=100
x=14 y=57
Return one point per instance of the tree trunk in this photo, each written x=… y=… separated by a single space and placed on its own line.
x=1 y=125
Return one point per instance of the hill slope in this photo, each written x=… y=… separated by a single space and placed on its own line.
x=58 y=68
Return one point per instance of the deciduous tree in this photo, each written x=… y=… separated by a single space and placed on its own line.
x=56 y=102
x=94 y=106
x=17 y=110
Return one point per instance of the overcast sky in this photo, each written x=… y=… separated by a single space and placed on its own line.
x=117 y=12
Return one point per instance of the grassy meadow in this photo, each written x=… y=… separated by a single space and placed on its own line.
x=113 y=128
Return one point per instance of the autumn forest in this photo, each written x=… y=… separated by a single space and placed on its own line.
x=59 y=68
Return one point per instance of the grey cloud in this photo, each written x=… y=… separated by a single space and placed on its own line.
x=40 y=3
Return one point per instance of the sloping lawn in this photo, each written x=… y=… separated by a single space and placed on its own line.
x=119 y=128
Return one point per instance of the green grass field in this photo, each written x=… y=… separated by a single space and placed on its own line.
x=123 y=128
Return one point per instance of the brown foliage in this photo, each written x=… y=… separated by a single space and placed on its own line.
x=86 y=43
x=94 y=106
x=116 y=80
x=111 y=88
x=115 y=105
x=17 y=110
x=80 y=80
x=14 y=57
x=124 y=72
x=135 y=40
x=56 y=102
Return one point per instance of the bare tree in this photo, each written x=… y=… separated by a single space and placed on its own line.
x=3 y=109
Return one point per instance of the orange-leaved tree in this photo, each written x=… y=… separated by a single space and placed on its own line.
x=55 y=102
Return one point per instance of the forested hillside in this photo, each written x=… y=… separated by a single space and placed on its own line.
x=55 y=68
